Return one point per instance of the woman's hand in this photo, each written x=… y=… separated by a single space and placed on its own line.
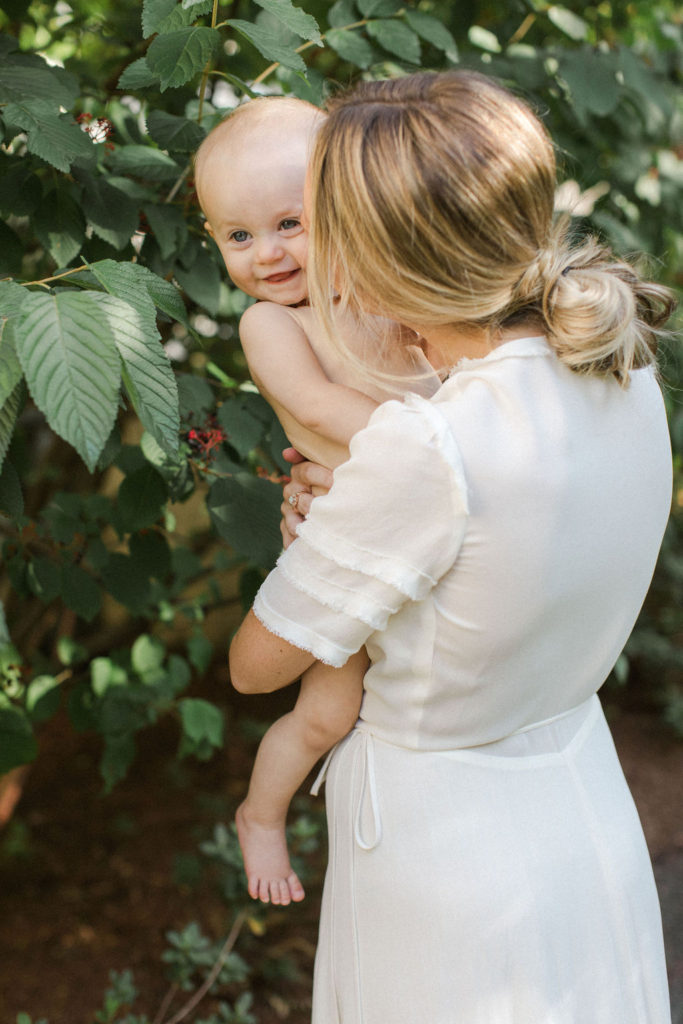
x=308 y=480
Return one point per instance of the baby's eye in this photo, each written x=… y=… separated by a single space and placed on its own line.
x=289 y=224
x=239 y=236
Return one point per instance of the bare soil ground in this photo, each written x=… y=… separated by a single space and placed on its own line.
x=91 y=883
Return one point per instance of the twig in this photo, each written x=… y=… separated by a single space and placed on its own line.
x=522 y=30
x=305 y=46
x=167 y=1000
x=214 y=972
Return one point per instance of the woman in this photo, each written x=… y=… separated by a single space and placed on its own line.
x=491 y=547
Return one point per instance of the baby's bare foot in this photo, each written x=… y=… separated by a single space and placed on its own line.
x=266 y=861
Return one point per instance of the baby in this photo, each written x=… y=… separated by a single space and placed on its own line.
x=250 y=173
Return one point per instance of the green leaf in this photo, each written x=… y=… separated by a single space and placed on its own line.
x=69 y=652
x=147 y=655
x=155 y=13
x=12 y=297
x=169 y=227
x=44 y=578
x=483 y=39
x=145 y=162
x=141 y=499
x=54 y=138
x=267 y=42
x=397 y=38
x=297 y=21
x=246 y=513
x=17 y=742
x=178 y=56
x=244 y=427
x=172 y=132
x=4 y=631
x=196 y=398
x=114 y=217
x=341 y=14
x=8 y=417
x=20 y=188
x=200 y=651
x=69 y=357
x=10 y=367
x=151 y=553
x=433 y=30
x=592 y=81
x=11 y=251
x=164 y=295
x=42 y=698
x=60 y=225
x=117 y=757
x=126 y=582
x=202 y=282
x=11 y=498
x=378 y=8
x=201 y=721
x=351 y=46
x=146 y=371
x=568 y=22
x=138 y=75
x=80 y=592
x=28 y=77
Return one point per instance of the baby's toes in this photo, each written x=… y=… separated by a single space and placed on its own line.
x=263 y=891
x=296 y=888
x=285 y=897
x=253 y=886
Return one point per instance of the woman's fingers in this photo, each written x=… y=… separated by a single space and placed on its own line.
x=309 y=475
x=307 y=480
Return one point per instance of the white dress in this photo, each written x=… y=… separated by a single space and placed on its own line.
x=492 y=547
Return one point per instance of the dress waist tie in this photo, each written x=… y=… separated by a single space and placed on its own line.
x=368 y=788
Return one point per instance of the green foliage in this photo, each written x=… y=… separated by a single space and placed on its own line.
x=118 y=341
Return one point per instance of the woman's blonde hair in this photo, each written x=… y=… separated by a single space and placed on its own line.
x=433 y=202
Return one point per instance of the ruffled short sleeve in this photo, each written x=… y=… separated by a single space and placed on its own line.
x=388 y=530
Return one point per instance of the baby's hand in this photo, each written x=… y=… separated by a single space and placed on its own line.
x=308 y=480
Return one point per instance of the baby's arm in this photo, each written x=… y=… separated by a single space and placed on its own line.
x=286 y=371
x=326 y=709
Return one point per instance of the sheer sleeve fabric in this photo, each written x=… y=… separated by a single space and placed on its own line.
x=388 y=530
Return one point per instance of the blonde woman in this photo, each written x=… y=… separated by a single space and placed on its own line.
x=491 y=547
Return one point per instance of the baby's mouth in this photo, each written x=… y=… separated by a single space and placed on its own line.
x=286 y=275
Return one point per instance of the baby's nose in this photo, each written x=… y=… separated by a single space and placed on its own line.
x=268 y=249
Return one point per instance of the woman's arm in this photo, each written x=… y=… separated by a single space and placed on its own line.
x=261 y=662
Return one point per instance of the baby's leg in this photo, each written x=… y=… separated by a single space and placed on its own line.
x=326 y=709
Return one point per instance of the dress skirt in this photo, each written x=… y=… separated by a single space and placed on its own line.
x=507 y=883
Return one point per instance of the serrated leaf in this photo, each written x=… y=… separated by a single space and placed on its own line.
x=177 y=56
x=27 y=77
x=196 y=397
x=54 y=138
x=568 y=22
x=72 y=367
x=146 y=371
x=60 y=226
x=433 y=30
x=172 y=132
x=169 y=227
x=243 y=427
x=144 y=162
x=378 y=8
x=138 y=75
x=351 y=46
x=8 y=417
x=297 y=21
x=202 y=282
x=397 y=38
x=246 y=513
x=113 y=217
x=17 y=742
x=10 y=367
x=164 y=295
x=154 y=14
x=267 y=42
x=12 y=296
x=483 y=39
x=141 y=499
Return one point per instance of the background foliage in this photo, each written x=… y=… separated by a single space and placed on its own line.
x=139 y=467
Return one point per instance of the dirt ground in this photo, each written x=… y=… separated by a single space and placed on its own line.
x=91 y=883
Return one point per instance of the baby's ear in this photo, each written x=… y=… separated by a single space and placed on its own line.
x=209 y=230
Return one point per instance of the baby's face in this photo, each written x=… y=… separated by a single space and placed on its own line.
x=254 y=206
